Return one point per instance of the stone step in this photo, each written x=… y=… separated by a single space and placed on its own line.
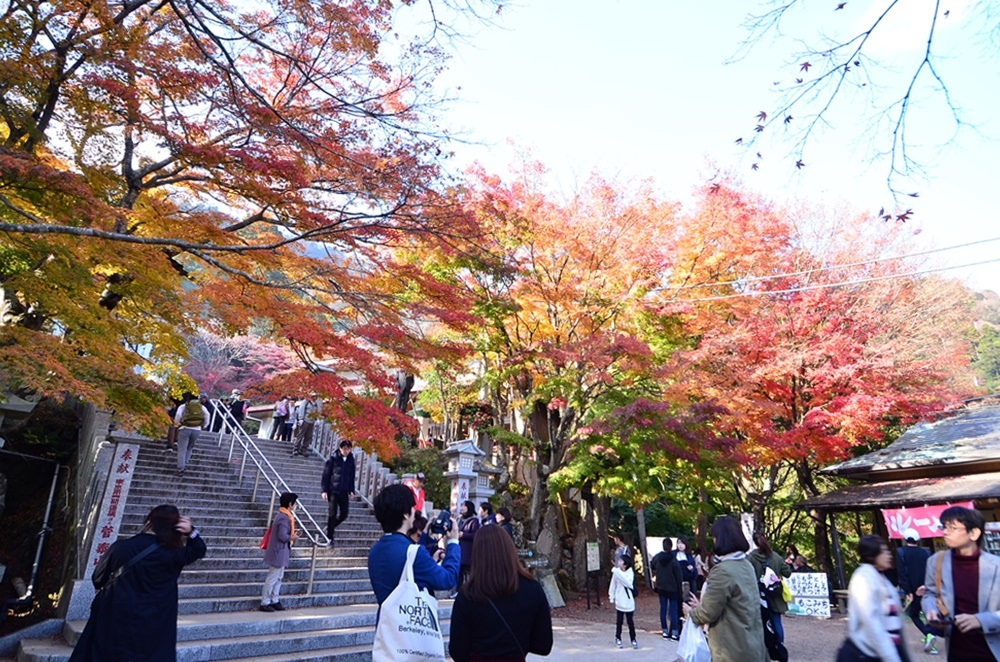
x=300 y=550
x=219 y=595
x=293 y=602
x=189 y=591
x=225 y=531
x=296 y=562
x=194 y=574
x=341 y=633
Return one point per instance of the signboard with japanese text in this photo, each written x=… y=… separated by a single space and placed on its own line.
x=593 y=557
x=459 y=494
x=810 y=593
x=920 y=522
x=112 y=507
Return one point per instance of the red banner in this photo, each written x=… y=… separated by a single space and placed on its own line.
x=917 y=523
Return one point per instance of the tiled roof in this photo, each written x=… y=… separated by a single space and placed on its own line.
x=912 y=492
x=970 y=435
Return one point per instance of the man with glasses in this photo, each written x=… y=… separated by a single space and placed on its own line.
x=963 y=589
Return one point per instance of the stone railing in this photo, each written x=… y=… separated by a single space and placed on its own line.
x=370 y=475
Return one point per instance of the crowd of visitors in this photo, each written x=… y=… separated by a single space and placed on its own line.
x=500 y=611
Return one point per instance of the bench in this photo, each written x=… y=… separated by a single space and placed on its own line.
x=840 y=596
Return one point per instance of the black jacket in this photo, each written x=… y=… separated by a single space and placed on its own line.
x=136 y=618
x=666 y=573
x=476 y=628
x=911 y=566
x=338 y=474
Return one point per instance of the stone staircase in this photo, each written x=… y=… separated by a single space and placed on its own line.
x=219 y=595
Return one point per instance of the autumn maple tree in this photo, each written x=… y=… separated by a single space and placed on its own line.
x=164 y=163
x=812 y=334
x=558 y=287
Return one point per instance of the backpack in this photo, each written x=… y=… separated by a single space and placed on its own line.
x=194 y=415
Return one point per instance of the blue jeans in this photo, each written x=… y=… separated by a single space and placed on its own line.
x=672 y=602
x=778 y=627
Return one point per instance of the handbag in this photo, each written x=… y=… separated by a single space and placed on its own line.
x=786 y=593
x=693 y=646
x=267 y=537
x=408 y=628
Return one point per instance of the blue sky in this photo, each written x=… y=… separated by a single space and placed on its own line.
x=641 y=89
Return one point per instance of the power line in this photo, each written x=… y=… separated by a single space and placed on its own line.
x=755 y=279
x=806 y=288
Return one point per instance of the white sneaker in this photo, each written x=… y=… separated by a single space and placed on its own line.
x=618 y=643
x=635 y=644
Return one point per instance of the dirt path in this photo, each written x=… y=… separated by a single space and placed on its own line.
x=589 y=635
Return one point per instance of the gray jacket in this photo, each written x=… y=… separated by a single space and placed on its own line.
x=989 y=593
x=279 y=546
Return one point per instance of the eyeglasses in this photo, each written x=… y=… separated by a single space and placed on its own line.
x=955 y=528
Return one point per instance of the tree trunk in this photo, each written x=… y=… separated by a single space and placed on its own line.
x=701 y=534
x=640 y=515
x=821 y=532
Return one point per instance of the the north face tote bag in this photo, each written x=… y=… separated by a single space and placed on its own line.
x=408 y=627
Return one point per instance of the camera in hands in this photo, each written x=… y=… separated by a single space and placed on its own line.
x=442 y=523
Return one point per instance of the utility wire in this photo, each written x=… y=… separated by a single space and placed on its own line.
x=845 y=283
x=754 y=279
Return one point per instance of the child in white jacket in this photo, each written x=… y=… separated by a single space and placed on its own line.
x=621 y=593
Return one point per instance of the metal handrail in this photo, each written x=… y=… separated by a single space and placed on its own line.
x=237 y=433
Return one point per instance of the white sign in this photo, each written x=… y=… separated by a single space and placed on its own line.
x=811 y=594
x=593 y=557
x=746 y=523
x=109 y=518
x=816 y=607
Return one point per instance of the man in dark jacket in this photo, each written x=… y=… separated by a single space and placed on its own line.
x=338 y=486
x=667 y=582
x=911 y=566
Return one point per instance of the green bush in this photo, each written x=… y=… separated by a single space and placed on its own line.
x=432 y=463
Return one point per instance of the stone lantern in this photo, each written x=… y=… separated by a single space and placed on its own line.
x=462 y=456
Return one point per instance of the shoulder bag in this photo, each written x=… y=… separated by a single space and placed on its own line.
x=408 y=628
x=117 y=574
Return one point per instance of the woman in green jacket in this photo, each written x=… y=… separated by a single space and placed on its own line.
x=765 y=557
x=730 y=600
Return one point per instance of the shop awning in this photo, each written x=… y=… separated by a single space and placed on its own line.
x=912 y=492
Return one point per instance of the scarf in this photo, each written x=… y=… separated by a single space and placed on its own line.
x=291 y=518
x=735 y=556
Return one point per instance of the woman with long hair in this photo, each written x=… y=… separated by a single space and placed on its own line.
x=764 y=557
x=501 y=613
x=730 y=602
x=686 y=560
x=134 y=614
x=874 y=612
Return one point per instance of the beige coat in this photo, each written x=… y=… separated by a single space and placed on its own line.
x=730 y=606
